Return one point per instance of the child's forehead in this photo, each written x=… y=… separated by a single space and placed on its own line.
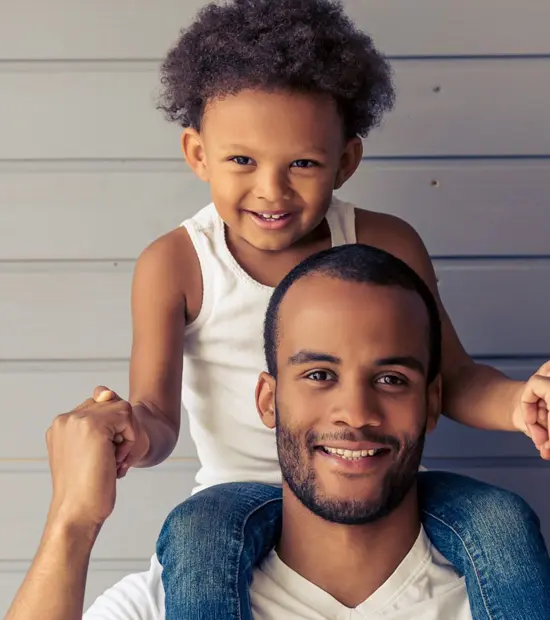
x=258 y=115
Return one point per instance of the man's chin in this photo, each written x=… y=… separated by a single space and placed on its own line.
x=347 y=511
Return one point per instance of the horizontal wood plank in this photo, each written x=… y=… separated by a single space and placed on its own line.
x=444 y=108
x=458 y=207
x=34 y=393
x=144 y=499
x=69 y=311
x=124 y=29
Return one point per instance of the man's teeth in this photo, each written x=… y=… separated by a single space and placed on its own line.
x=351 y=455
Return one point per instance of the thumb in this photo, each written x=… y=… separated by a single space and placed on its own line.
x=103 y=394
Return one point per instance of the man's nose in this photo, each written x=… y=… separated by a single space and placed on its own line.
x=358 y=407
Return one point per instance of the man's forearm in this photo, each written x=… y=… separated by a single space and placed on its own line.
x=482 y=397
x=54 y=586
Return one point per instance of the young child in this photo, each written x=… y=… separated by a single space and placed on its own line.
x=274 y=97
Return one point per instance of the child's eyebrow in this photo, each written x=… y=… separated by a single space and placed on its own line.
x=302 y=150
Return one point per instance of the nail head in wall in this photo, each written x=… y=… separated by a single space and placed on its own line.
x=436 y=89
x=435 y=183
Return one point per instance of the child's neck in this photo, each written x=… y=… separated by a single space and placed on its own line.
x=269 y=268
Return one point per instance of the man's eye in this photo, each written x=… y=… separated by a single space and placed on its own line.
x=320 y=375
x=391 y=380
x=241 y=160
x=304 y=163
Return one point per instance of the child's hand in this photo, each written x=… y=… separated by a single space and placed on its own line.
x=127 y=453
x=532 y=414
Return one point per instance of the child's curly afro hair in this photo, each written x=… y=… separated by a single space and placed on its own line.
x=308 y=46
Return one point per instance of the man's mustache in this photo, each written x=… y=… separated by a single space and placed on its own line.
x=365 y=434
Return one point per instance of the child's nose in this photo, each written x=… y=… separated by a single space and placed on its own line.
x=272 y=186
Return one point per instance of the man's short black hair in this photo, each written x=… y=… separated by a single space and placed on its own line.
x=355 y=263
x=307 y=46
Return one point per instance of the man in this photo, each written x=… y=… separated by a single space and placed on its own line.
x=353 y=388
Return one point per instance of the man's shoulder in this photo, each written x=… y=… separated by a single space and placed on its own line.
x=139 y=596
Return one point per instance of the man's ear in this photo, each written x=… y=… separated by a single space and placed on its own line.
x=193 y=151
x=433 y=404
x=265 y=399
x=349 y=161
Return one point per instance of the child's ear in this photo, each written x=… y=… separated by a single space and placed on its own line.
x=193 y=151
x=433 y=404
x=349 y=161
x=265 y=399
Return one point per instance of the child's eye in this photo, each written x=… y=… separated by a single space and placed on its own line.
x=320 y=376
x=241 y=160
x=304 y=163
x=391 y=380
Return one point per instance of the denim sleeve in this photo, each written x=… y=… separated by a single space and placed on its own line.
x=493 y=538
x=209 y=546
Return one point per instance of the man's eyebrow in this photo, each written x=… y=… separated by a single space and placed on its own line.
x=306 y=357
x=408 y=361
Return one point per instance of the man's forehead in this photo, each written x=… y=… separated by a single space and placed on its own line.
x=319 y=311
x=330 y=299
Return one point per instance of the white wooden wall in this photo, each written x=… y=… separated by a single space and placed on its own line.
x=90 y=173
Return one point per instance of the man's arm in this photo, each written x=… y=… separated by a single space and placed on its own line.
x=473 y=394
x=83 y=465
x=55 y=584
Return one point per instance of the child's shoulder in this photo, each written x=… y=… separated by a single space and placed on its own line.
x=396 y=236
x=175 y=250
x=169 y=270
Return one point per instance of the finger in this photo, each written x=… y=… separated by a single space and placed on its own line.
x=545 y=453
x=538 y=434
x=103 y=394
x=542 y=415
x=122 y=470
x=86 y=403
x=547 y=414
x=544 y=369
x=537 y=389
x=113 y=420
x=530 y=412
x=124 y=454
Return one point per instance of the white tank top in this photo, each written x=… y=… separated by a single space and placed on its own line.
x=224 y=356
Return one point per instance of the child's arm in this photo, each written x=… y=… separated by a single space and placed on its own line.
x=473 y=394
x=165 y=273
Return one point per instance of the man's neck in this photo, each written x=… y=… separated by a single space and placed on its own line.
x=350 y=562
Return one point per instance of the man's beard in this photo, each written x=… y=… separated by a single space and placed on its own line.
x=300 y=475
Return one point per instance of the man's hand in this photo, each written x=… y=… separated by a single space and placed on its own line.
x=531 y=414
x=82 y=454
x=128 y=453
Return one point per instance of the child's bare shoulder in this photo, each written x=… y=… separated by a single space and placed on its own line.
x=169 y=268
x=396 y=236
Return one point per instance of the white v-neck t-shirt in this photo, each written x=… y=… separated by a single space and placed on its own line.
x=423 y=587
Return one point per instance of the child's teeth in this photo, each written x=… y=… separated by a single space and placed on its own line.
x=268 y=216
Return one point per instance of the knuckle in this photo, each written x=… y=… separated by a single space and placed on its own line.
x=125 y=408
x=59 y=421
